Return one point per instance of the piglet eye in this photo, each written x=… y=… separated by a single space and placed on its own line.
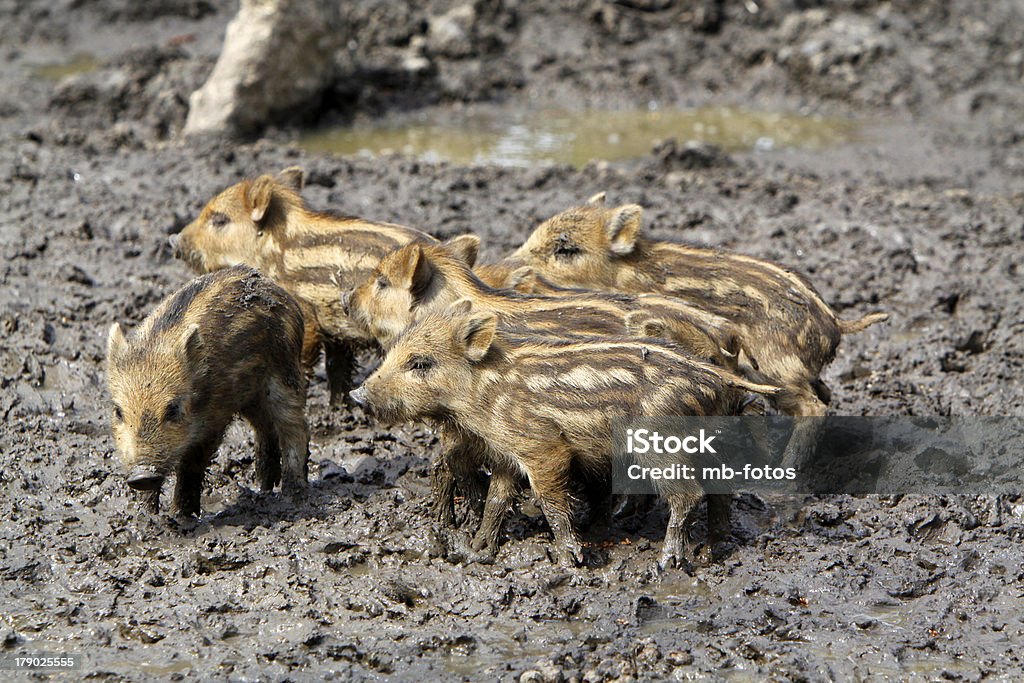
x=219 y=220
x=421 y=363
x=118 y=414
x=382 y=282
x=173 y=412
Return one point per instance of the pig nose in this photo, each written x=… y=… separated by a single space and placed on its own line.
x=142 y=479
x=174 y=240
x=346 y=301
x=359 y=395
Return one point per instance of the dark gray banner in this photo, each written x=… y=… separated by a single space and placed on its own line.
x=857 y=455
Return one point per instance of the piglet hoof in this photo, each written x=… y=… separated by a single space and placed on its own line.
x=185 y=522
x=720 y=549
x=570 y=555
x=484 y=543
x=482 y=550
x=674 y=558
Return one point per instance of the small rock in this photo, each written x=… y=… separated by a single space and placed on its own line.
x=336 y=547
x=332 y=470
x=278 y=57
x=451 y=34
x=11 y=638
x=951 y=363
x=689 y=156
x=677 y=658
x=75 y=274
x=402 y=593
x=550 y=672
x=976 y=342
x=647 y=653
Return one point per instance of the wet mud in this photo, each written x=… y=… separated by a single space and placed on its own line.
x=354 y=580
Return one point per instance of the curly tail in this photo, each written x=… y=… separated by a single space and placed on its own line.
x=851 y=326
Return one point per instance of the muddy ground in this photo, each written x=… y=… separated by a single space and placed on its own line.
x=926 y=221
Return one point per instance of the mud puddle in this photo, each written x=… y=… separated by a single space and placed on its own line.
x=518 y=138
x=507 y=641
x=80 y=63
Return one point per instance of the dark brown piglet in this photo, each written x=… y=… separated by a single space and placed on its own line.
x=226 y=344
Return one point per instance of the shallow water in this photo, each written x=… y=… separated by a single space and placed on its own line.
x=523 y=138
x=78 y=64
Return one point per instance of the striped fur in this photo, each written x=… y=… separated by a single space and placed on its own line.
x=264 y=223
x=787 y=330
x=508 y=274
x=420 y=278
x=544 y=404
x=226 y=343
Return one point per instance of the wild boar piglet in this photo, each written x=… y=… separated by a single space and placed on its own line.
x=265 y=223
x=417 y=279
x=228 y=343
x=787 y=331
x=547 y=405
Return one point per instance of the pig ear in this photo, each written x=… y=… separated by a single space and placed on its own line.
x=465 y=248
x=596 y=200
x=422 y=275
x=623 y=227
x=414 y=270
x=260 y=194
x=116 y=342
x=478 y=334
x=193 y=342
x=522 y=280
x=292 y=177
x=463 y=306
